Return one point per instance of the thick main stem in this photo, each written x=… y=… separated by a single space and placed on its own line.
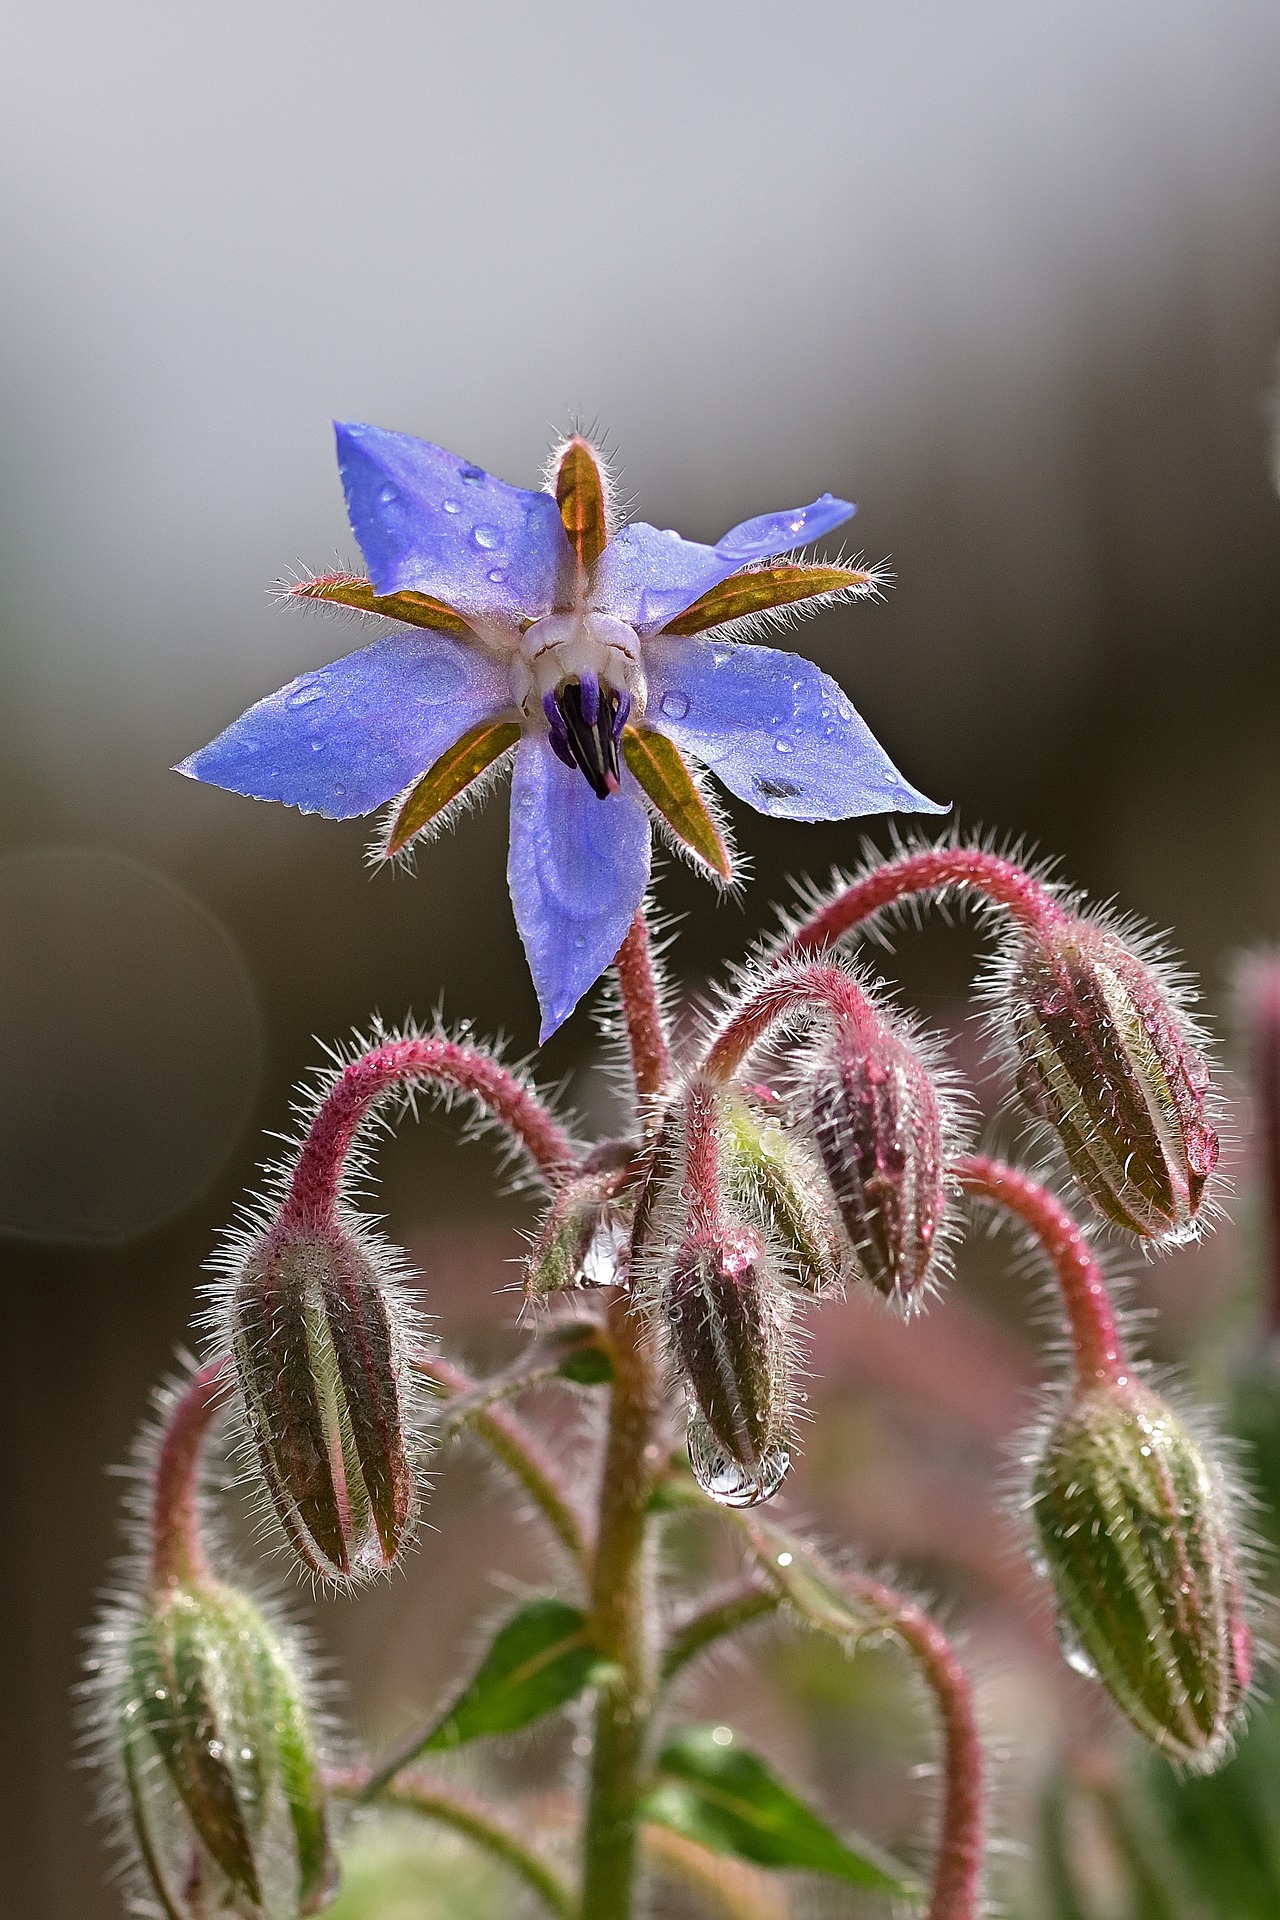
x=177 y=1556
x=1096 y=1345
x=925 y=870
x=317 y=1176
x=621 y=1601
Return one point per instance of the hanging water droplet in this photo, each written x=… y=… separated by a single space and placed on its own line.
x=674 y=704
x=487 y=537
x=317 y=746
x=726 y=1479
x=304 y=696
x=1073 y=1653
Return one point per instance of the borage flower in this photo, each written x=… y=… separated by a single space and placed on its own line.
x=527 y=623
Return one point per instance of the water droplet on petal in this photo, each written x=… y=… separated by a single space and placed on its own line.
x=451 y=506
x=674 y=704
x=845 y=710
x=487 y=537
x=304 y=696
x=498 y=575
x=388 y=495
x=338 y=787
x=317 y=746
x=783 y=745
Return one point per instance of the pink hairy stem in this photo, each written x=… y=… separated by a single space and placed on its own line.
x=957 y=1868
x=642 y=1010
x=1260 y=994
x=317 y=1176
x=817 y=984
x=177 y=1556
x=926 y=870
x=1095 y=1338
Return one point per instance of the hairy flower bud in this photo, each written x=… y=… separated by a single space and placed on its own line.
x=1136 y=1528
x=319 y=1351
x=583 y=1239
x=727 y=1319
x=878 y=1121
x=770 y=1182
x=1103 y=1050
x=220 y=1772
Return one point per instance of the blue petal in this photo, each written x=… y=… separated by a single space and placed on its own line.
x=577 y=871
x=431 y=522
x=777 y=731
x=647 y=575
x=348 y=738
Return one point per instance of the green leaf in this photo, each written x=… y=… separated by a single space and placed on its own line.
x=540 y=1660
x=583 y=1357
x=1224 y=1827
x=714 y=1791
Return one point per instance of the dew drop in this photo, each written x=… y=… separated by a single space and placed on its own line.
x=317 y=746
x=472 y=474
x=1073 y=1653
x=304 y=697
x=487 y=537
x=388 y=495
x=451 y=506
x=497 y=575
x=783 y=745
x=845 y=710
x=338 y=788
x=727 y=1480
x=674 y=704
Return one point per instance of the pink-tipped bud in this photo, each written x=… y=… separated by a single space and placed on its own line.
x=726 y=1318
x=1135 y=1526
x=319 y=1351
x=1105 y=1053
x=878 y=1123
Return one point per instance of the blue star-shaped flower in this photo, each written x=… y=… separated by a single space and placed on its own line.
x=527 y=622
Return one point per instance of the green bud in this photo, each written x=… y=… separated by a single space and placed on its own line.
x=220 y=1768
x=1135 y=1528
x=771 y=1183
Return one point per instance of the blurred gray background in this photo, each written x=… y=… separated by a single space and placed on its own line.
x=1008 y=275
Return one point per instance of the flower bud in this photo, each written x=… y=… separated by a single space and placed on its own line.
x=878 y=1122
x=319 y=1351
x=1104 y=1052
x=727 y=1317
x=771 y=1182
x=583 y=1240
x=220 y=1770
x=1136 y=1528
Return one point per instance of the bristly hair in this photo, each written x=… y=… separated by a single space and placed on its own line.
x=473 y=795
x=769 y=623
x=102 y=1693
x=616 y=510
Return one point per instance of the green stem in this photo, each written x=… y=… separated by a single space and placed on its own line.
x=467 y=1814
x=621 y=1608
x=521 y=1453
x=713 y=1622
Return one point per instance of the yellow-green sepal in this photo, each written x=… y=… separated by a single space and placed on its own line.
x=660 y=768
x=762 y=588
x=451 y=775
x=417 y=609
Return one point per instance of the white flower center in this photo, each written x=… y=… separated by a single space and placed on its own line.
x=574 y=646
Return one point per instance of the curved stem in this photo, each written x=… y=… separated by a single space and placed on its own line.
x=925 y=870
x=317 y=1176
x=724 y=1616
x=619 y=1621
x=177 y=1555
x=1095 y=1338
x=521 y=1453
x=467 y=1814
x=957 y=1869
x=817 y=984
x=642 y=1010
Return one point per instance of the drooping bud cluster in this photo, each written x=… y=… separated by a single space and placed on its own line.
x=1136 y=1528
x=879 y=1122
x=318 y=1335
x=1104 y=1052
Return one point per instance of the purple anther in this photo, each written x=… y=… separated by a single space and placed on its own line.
x=590 y=697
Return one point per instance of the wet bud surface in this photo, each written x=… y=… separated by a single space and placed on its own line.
x=583 y=1239
x=1135 y=1528
x=222 y=1778
x=876 y=1120
x=726 y=1318
x=319 y=1355
x=772 y=1182
x=1104 y=1054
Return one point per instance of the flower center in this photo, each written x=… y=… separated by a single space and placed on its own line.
x=580 y=674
